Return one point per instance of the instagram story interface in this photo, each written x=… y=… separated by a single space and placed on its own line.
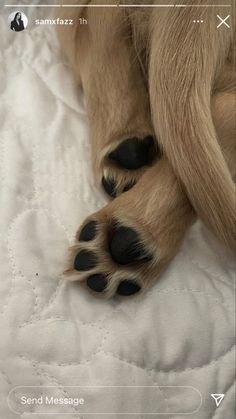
x=117 y=169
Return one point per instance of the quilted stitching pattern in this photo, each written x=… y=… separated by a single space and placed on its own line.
x=53 y=333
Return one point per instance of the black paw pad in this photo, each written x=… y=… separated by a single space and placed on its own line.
x=88 y=232
x=110 y=186
x=134 y=153
x=97 y=282
x=126 y=247
x=129 y=185
x=85 y=260
x=128 y=287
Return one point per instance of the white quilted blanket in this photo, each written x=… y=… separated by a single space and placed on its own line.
x=171 y=348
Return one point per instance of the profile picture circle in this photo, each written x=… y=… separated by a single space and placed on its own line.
x=17 y=21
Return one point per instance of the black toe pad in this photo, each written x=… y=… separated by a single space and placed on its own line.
x=110 y=186
x=134 y=153
x=128 y=287
x=85 y=260
x=97 y=282
x=88 y=232
x=126 y=247
x=129 y=186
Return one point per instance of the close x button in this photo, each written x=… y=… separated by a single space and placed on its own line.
x=223 y=21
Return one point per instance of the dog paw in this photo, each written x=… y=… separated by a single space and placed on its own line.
x=123 y=165
x=109 y=257
x=123 y=248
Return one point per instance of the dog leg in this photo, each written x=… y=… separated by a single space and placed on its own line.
x=116 y=98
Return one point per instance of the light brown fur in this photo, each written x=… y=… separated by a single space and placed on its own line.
x=124 y=58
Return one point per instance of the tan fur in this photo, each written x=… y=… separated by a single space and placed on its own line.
x=117 y=101
x=162 y=230
x=190 y=73
x=181 y=83
x=157 y=208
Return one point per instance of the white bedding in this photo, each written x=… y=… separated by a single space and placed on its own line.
x=53 y=333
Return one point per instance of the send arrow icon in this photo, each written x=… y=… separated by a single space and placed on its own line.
x=218 y=398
